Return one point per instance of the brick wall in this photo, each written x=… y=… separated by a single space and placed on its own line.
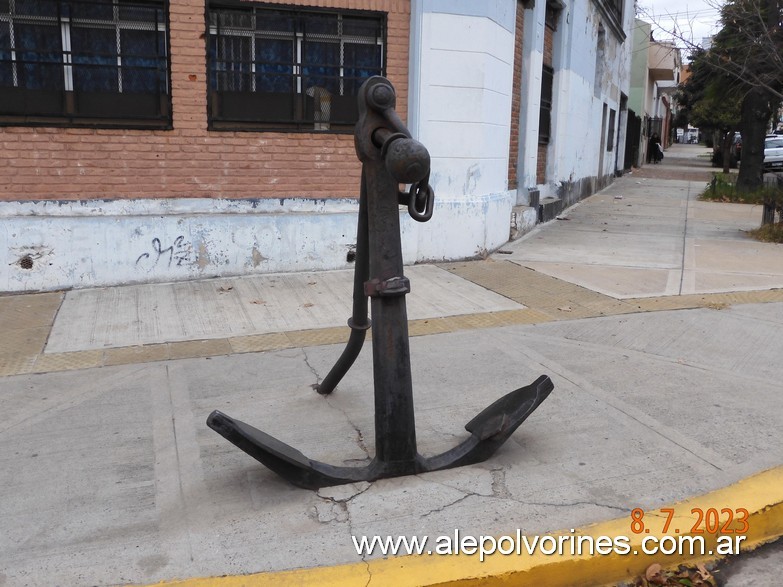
x=189 y=161
x=541 y=164
x=516 y=98
x=549 y=45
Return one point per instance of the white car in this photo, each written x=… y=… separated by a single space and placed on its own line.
x=773 y=153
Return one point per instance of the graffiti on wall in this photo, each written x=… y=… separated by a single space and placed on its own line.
x=178 y=254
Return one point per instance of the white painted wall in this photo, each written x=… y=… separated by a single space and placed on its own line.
x=98 y=243
x=82 y=244
x=578 y=105
x=465 y=108
x=462 y=98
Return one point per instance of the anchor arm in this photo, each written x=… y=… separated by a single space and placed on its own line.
x=283 y=459
x=493 y=426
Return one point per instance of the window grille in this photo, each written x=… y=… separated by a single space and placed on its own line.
x=78 y=62
x=545 y=112
x=610 y=132
x=273 y=68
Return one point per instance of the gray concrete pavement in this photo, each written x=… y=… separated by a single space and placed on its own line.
x=652 y=237
x=112 y=476
x=166 y=312
x=758 y=568
x=109 y=475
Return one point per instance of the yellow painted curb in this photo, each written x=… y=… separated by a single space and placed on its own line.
x=761 y=495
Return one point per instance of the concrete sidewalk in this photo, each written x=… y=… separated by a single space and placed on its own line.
x=658 y=320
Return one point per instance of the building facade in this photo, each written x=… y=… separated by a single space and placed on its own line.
x=160 y=140
x=583 y=53
x=655 y=74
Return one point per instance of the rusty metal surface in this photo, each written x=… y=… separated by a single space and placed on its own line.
x=390 y=157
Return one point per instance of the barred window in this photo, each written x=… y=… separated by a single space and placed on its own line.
x=545 y=110
x=290 y=69
x=610 y=132
x=81 y=62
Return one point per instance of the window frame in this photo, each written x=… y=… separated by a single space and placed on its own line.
x=547 y=101
x=219 y=115
x=611 y=130
x=64 y=104
x=614 y=13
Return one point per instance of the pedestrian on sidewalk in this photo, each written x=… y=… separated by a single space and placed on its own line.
x=654 y=149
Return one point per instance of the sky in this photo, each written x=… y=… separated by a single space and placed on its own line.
x=694 y=19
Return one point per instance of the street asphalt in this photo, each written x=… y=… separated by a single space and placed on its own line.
x=658 y=319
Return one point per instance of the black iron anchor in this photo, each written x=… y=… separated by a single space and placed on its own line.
x=390 y=157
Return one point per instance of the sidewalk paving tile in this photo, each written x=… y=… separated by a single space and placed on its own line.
x=46 y=363
x=16 y=364
x=136 y=354
x=318 y=336
x=256 y=343
x=28 y=311
x=199 y=348
x=25 y=341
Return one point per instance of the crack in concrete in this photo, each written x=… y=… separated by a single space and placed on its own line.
x=336 y=511
x=344 y=504
x=369 y=571
x=448 y=505
x=501 y=491
x=359 y=435
x=183 y=501
x=574 y=503
x=360 y=487
x=337 y=498
x=312 y=369
x=455 y=488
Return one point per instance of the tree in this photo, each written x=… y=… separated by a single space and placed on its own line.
x=748 y=52
x=705 y=103
x=746 y=59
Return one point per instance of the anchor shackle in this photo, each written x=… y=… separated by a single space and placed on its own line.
x=408 y=161
x=379 y=128
x=381 y=138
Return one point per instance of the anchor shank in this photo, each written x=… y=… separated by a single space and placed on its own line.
x=395 y=429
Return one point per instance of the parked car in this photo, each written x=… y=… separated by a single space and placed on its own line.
x=773 y=153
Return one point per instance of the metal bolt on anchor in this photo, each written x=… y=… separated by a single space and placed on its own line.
x=389 y=157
